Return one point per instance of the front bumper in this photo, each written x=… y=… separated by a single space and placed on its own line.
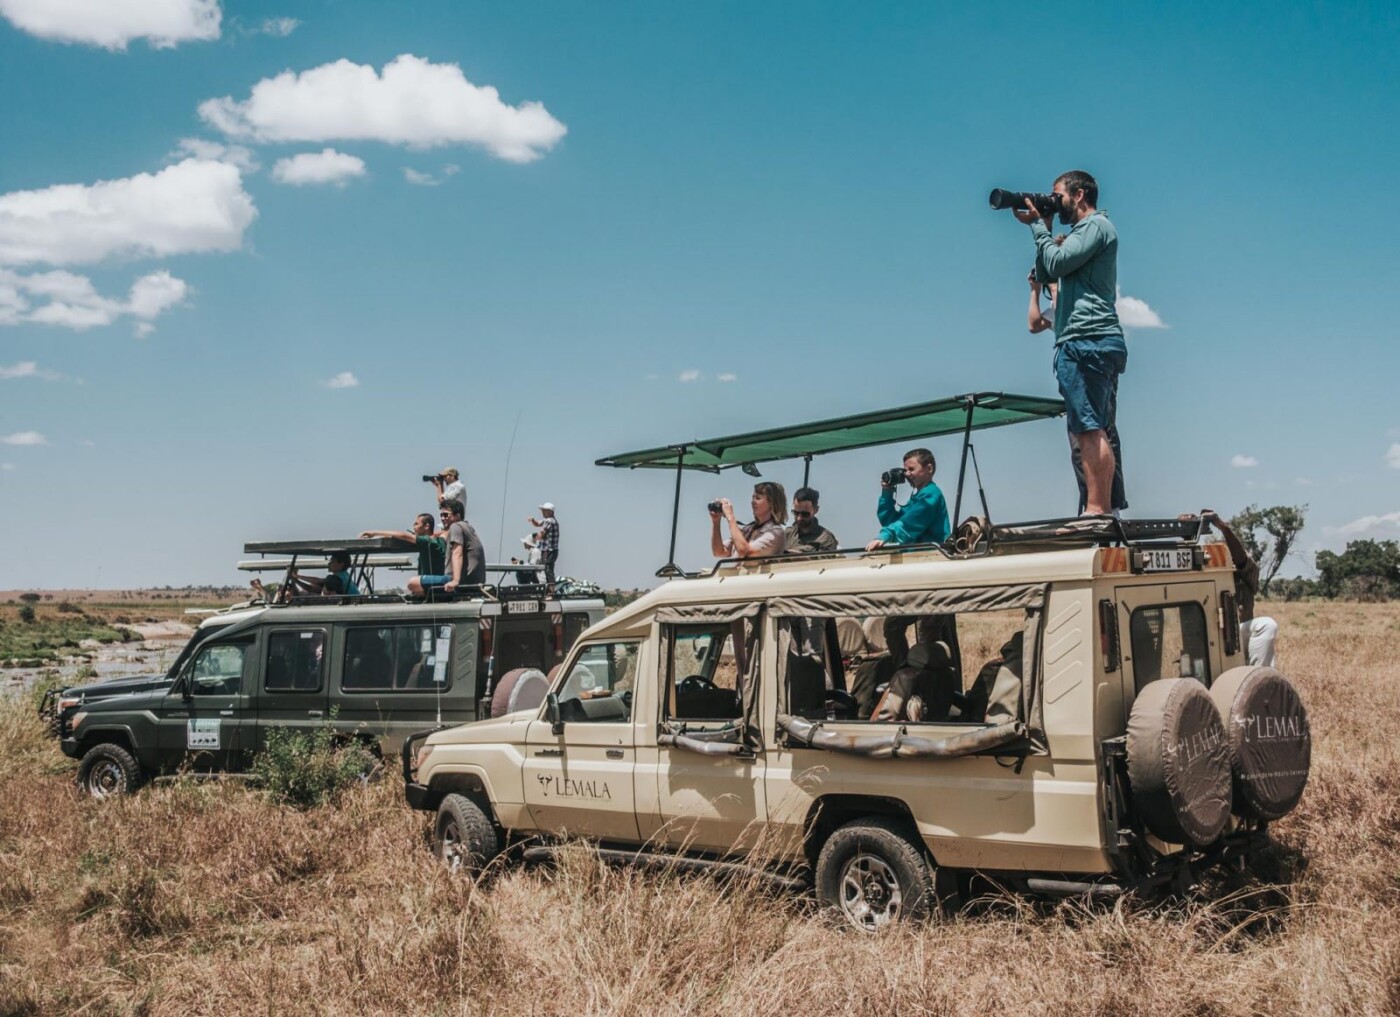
x=417 y=795
x=70 y=747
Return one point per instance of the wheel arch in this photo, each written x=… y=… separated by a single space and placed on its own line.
x=830 y=812
x=470 y=784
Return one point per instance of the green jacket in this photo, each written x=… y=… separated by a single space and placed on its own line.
x=1086 y=265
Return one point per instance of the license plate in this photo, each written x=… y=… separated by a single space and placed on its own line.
x=1175 y=559
x=522 y=607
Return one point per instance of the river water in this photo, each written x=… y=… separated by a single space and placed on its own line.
x=160 y=645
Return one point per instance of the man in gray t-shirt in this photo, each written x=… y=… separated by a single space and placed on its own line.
x=466 y=560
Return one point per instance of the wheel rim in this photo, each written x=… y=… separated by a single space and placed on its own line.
x=453 y=850
x=870 y=893
x=105 y=779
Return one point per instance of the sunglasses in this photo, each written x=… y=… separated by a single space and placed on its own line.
x=802 y=515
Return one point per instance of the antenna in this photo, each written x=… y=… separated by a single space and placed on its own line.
x=505 y=486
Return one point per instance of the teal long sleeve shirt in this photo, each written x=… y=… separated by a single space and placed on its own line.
x=1086 y=265
x=923 y=519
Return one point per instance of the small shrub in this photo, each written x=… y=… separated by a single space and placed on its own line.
x=68 y=607
x=310 y=768
x=29 y=598
x=26 y=613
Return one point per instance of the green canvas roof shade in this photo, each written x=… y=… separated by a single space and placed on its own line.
x=860 y=430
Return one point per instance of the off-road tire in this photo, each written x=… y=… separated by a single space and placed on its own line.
x=873 y=872
x=464 y=836
x=1179 y=762
x=1270 y=742
x=520 y=689
x=108 y=770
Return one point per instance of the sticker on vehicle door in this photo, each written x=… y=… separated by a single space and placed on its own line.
x=202 y=734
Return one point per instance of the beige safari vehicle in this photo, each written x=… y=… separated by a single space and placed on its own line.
x=1074 y=715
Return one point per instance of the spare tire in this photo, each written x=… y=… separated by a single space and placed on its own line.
x=521 y=689
x=1179 y=762
x=1270 y=744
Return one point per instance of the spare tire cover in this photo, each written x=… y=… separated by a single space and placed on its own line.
x=521 y=689
x=1179 y=762
x=1266 y=728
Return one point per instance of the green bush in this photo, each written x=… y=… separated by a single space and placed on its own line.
x=68 y=607
x=26 y=613
x=310 y=768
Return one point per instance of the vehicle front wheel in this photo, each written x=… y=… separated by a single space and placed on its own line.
x=108 y=770
x=466 y=838
x=874 y=874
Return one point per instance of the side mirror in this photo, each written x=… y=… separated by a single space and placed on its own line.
x=182 y=686
x=551 y=713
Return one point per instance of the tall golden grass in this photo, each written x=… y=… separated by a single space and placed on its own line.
x=205 y=898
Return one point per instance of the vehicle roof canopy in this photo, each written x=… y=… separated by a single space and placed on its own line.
x=956 y=414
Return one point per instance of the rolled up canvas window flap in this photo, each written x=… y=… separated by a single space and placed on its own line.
x=898 y=743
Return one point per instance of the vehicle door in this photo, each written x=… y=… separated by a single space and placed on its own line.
x=294 y=691
x=706 y=802
x=1169 y=629
x=206 y=719
x=397 y=677
x=580 y=780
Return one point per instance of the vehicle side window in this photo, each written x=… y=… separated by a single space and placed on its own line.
x=598 y=687
x=1170 y=640
x=702 y=680
x=393 y=657
x=218 y=670
x=522 y=642
x=296 y=661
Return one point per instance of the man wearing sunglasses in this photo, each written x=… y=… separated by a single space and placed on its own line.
x=806 y=535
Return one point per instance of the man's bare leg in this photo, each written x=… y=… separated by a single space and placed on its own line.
x=1097 y=455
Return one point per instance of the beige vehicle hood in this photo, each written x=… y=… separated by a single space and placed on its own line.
x=509 y=729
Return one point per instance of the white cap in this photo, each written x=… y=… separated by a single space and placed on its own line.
x=548 y=505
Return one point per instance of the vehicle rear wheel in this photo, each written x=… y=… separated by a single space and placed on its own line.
x=108 y=770
x=466 y=838
x=874 y=874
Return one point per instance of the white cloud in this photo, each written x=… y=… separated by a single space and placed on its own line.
x=1303 y=481
x=1392 y=456
x=413 y=176
x=7 y=466
x=217 y=151
x=412 y=102
x=112 y=24
x=142 y=329
x=324 y=167
x=1134 y=313
x=87 y=443
x=28 y=369
x=690 y=375
x=727 y=376
x=280 y=27
x=1368 y=524
x=24 y=438
x=1243 y=462
x=71 y=301
x=342 y=380
x=194 y=206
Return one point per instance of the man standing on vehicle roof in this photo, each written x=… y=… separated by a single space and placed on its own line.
x=547 y=540
x=432 y=551
x=923 y=519
x=450 y=487
x=466 y=559
x=1089 y=350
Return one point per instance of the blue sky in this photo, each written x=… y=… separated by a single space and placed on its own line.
x=788 y=196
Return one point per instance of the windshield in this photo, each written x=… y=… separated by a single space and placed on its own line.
x=196 y=641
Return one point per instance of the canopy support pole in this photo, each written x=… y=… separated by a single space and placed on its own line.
x=962 y=469
x=670 y=566
x=806 y=468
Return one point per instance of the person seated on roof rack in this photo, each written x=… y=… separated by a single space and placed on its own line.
x=806 y=535
x=761 y=538
x=923 y=519
x=432 y=550
x=466 y=560
x=337 y=583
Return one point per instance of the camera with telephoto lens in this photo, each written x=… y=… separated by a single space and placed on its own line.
x=1046 y=204
x=894 y=477
x=429 y=478
x=715 y=506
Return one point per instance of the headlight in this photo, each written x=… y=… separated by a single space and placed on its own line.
x=68 y=702
x=420 y=756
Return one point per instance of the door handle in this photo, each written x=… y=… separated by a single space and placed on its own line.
x=225 y=713
x=313 y=713
x=549 y=752
x=614 y=753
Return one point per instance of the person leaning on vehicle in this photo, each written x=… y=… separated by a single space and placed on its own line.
x=1089 y=350
x=466 y=560
x=1257 y=634
x=761 y=538
x=806 y=535
x=432 y=551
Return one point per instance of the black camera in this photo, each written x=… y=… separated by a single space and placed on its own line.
x=894 y=477
x=715 y=506
x=428 y=479
x=1046 y=204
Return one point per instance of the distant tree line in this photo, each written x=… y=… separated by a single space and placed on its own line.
x=1366 y=570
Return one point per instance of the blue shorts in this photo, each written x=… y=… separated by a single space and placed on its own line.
x=427 y=581
x=1088 y=370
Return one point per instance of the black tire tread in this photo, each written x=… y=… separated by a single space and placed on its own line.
x=475 y=828
x=891 y=838
x=131 y=769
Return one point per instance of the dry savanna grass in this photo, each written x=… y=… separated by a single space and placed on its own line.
x=204 y=898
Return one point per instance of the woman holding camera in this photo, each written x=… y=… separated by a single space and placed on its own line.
x=761 y=538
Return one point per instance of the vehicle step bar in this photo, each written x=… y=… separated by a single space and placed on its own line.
x=680 y=863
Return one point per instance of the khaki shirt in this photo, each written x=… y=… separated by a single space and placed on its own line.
x=764 y=541
x=819 y=541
